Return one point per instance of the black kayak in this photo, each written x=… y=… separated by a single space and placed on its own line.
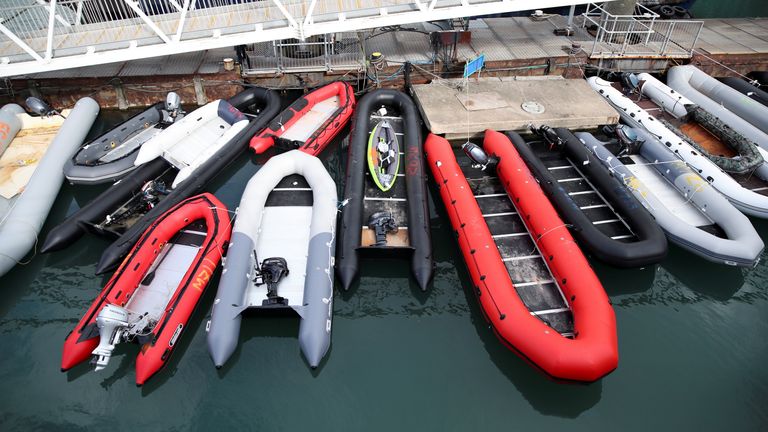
x=603 y=216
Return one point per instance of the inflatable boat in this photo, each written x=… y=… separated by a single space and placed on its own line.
x=606 y=221
x=111 y=156
x=747 y=89
x=692 y=213
x=35 y=151
x=534 y=285
x=281 y=255
x=375 y=223
x=745 y=192
x=742 y=114
x=151 y=297
x=311 y=122
x=127 y=208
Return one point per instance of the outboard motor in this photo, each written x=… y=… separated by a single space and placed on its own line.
x=172 y=107
x=112 y=322
x=628 y=139
x=477 y=155
x=630 y=81
x=40 y=107
x=272 y=270
x=382 y=223
x=548 y=135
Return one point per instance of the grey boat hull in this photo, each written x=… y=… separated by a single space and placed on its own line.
x=742 y=245
x=304 y=235
x=22 y=223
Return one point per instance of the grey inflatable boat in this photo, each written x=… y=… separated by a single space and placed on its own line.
x=281 y=255
x=744 y=115
x=31 y=172
x=111 y=156
x=691 y=212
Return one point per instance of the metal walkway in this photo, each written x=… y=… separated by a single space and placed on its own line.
x=47 y=35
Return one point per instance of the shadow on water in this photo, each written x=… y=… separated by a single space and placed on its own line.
x=715 y=281
x=618 y=281
x=567 y=400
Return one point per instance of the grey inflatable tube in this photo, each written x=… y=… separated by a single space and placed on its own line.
x=742 y=246
x=744 y=115
x=317 y=306
x=21 y=225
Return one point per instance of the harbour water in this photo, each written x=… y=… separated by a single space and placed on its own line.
x=730 y=9
x=691 y=339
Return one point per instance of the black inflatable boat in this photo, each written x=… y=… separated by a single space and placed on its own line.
x=604 y=218
x=396 y=222
x=126 y=209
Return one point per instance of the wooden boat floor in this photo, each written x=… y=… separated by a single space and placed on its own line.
x=394 y=200
x=313 y=119
x=20 y=159
x=584 y=194
x=526 y=267
x=706 y=140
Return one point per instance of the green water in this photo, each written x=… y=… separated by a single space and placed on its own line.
x=730 y=8
x=692 y=341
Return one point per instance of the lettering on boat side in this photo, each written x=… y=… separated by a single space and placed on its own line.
x=4 y=129
x=202 y=278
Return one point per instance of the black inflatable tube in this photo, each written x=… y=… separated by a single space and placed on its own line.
x=265 y=98
x=651 y=246
x=422 y=265
x=746 y=89
x=72 y=228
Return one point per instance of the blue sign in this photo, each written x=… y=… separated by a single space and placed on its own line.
x=473 y=66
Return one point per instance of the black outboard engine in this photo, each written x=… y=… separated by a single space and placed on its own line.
x=549 y=135
x=477 y=155
x=40 y=107
x=272 y=270
x=628 y=139
x=382 y=223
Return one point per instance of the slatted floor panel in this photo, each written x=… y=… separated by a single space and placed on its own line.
x=585 y=195
x=525 y=265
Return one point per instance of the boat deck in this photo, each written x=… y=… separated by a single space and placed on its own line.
x=394 y=200
x=526 y=267
x=584 y=194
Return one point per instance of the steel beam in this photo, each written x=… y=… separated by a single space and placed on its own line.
x=135 y=6
x=51 y=24
x=12 y=36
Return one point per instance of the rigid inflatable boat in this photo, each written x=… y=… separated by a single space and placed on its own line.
x=739 y=192
x=742 y=114
x=281 y=255
x=535 y=286
x=111 y=156
x=396 y=222
x=311 y=122
x=747 y=89
x=151 y=296
x=692 y=213
x=127 y=208
x=35 y=151
x=608 y=223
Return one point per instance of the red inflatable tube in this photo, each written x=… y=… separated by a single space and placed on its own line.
x=593 y=352
x=125 y=282
x=323 y=135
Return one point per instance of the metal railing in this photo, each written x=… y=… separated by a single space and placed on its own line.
x=328 y=52
x=640 y=35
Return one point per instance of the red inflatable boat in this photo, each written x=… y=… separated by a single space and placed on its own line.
x=560 y=320
x=311 y=122
x=151 y=296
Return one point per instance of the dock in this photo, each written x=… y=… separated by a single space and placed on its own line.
x=460 y=108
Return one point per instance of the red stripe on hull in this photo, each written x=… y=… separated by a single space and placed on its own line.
x=593 y=352
x=324 y=133
x=132 y=271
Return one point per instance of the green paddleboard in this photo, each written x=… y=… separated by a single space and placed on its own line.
x=383 y=155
